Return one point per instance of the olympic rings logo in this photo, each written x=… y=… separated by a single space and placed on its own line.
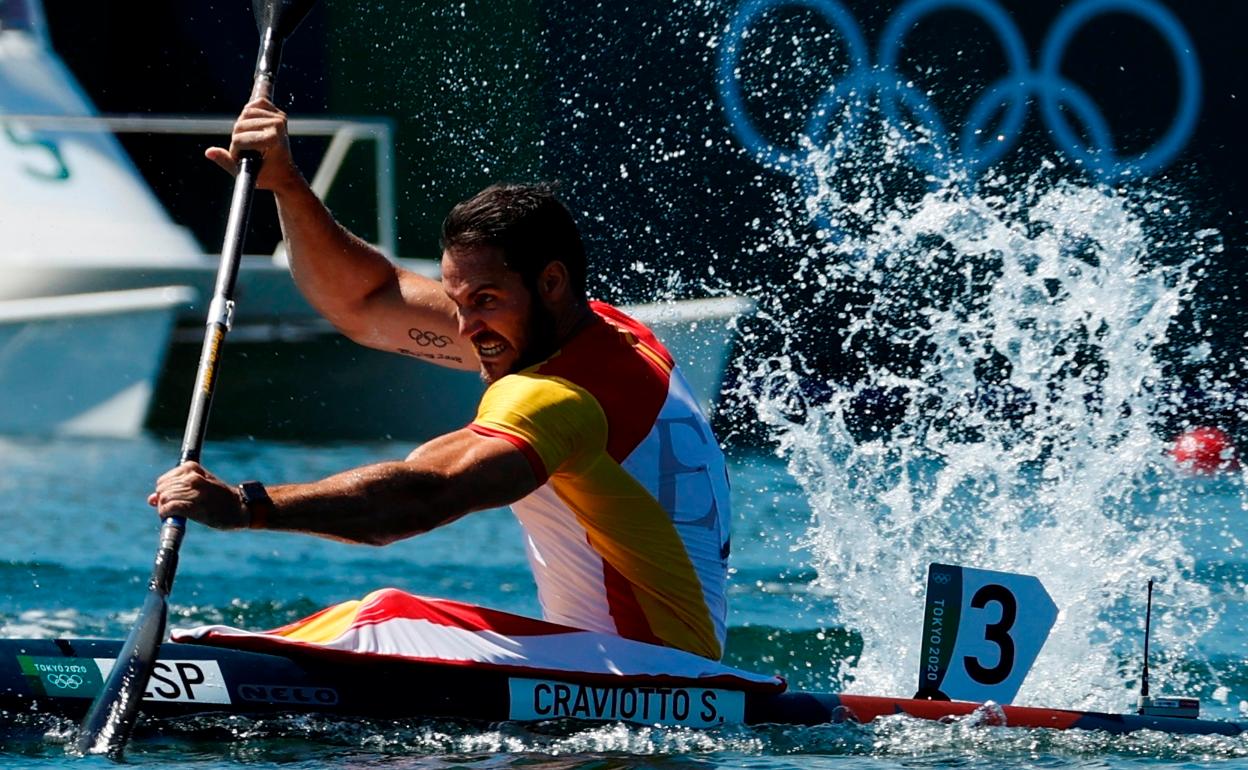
x=65 y=681
x=426 y=338
x=1014 y=91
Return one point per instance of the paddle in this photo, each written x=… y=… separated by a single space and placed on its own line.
x=107 y=725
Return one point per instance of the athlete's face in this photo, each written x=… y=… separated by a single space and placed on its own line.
x=508 y=327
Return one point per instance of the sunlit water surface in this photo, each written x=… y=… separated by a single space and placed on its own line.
x=80 y=541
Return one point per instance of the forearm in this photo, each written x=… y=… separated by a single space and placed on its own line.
x=440 y=481
x=373 y=505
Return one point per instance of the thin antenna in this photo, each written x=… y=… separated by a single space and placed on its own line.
x=1148 y=622
x=1162 y=705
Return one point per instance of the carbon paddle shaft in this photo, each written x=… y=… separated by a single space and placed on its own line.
x=108 y=723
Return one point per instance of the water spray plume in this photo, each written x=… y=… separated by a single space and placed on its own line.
x=1005 y=344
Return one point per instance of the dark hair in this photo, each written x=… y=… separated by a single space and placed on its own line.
x=527 y=223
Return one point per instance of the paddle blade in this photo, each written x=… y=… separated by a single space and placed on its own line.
x=281 y=16
x=107 y=725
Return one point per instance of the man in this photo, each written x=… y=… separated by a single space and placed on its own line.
x=586 y=428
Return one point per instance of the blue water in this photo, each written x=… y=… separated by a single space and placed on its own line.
x=78 y=549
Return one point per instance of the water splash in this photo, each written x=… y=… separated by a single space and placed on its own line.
x=1009 y=340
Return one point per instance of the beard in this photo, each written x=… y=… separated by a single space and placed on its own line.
x=541 y=340
x=543 y=337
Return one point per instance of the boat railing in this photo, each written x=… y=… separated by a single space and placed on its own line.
x=342 y=132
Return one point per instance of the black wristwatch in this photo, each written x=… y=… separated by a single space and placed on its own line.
x=257 y=505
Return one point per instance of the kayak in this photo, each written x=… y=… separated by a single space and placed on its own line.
x=62 y=676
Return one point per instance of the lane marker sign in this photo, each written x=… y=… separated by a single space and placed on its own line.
x=982 y=631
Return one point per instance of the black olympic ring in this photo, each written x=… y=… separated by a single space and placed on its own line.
x=1015 y=90
x=65 y=681
x=426 y=339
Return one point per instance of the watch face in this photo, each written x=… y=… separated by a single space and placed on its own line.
x=253 y=492
x=257 y=505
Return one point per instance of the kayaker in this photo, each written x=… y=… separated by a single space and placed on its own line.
x=587 y=427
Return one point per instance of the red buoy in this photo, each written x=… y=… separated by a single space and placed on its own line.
x=1204 y=450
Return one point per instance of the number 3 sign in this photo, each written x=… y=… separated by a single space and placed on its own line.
x=982 y=631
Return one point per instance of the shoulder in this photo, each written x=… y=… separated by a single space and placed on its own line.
x=550 y=416
x=534 y=391
x=543 y=403
x=638 y=335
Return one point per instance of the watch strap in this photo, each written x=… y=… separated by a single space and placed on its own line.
x=257 y=505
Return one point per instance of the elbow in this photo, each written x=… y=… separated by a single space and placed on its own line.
x=378 y=539
x=403 y=528
x=355 y=310
x=399 y=501
x=349 y=328
x=352 y=319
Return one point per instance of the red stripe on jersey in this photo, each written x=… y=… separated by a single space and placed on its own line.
x=630 y=386
x=630 y=620
x=530 y=454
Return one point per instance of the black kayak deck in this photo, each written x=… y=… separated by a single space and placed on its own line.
x=62 y=676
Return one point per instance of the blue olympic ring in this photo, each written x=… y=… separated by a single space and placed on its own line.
x=906 y=17
x=860 y=85
x=1015 y=91
x=1171 y=143
x=730 y=86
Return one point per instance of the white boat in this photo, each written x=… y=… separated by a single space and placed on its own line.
x=84 y=364
x=77 y=217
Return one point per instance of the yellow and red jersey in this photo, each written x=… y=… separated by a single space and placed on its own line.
x=629 y=532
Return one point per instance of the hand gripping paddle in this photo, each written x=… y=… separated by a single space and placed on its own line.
x=107 y=725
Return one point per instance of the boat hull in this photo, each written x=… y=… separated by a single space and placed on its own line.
x=61 y=676
x=287 y=374
x=84 y=364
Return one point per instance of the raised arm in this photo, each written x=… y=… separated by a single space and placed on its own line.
x=352 y=284
x=441 y=481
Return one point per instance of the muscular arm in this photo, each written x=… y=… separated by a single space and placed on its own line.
x=361 y=292
x=441 y=481
x=353 y=285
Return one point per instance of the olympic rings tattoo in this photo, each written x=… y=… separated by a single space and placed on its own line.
x=1015 y=91
x=426 y=339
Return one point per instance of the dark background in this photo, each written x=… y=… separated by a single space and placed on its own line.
x=585 y=92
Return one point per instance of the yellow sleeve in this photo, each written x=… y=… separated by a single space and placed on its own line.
x=548 y=418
